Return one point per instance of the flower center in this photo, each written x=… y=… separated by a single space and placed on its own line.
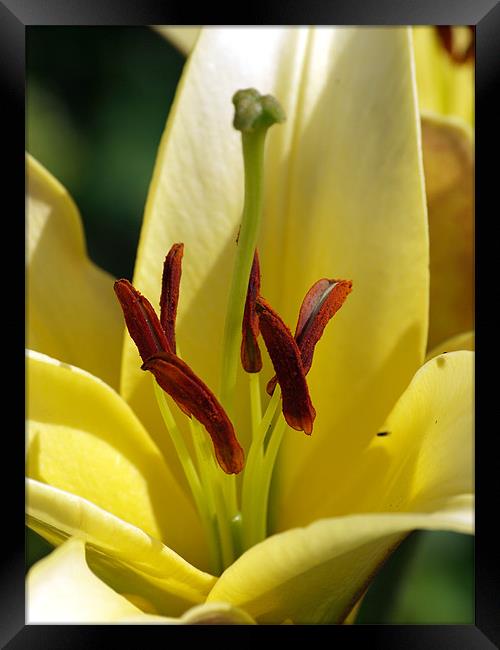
x=232 y=525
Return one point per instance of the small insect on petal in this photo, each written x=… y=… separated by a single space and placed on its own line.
x=285 y=356
x=172 y=270
x=251 y=359
x=320 y=304
x=141 y=320
x=187 y=389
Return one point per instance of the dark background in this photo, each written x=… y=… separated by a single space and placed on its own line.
x=97 y=101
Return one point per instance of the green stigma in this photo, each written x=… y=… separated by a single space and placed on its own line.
x=254 y=111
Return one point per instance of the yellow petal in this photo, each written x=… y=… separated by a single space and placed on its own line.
x=316 y=574
x=426 y=458
x=423 y=452
x=449 y=179
x=443 y=86
x=418 y=475
x=83 y=438
x=332 y=209
x=72 y=312
x=464 y=341
x=128 y=559
x=206 y=614
x=62 y=589
x=350 y=619
x=183 y=38
x=355 y=211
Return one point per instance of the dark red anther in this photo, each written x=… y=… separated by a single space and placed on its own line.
x=251 y=359
x=320 y=304
x=180 y=382
x=141 y=320
x=155 y=341
x=285 y=356
x=172 y=270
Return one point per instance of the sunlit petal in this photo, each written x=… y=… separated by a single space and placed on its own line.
x=422 y=453
x=62 y=589
x=123 y=555
x=317 y=574
x=347 y=218
x=426 y=454
x=72 y=314
x=83 y=438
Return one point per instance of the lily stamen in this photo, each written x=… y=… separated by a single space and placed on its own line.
x=285 y=355
x=141 y=320
x=320 y=304
x=251 y=359
x=155 y=342
x=169 y=298
x=179 y=381
x=291 y=356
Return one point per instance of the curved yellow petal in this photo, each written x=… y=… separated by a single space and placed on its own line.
x=84 y=439
x=420 y=456
x=417 y=475
x=316 y=574
x=62 y=589
x=449 y=179
x=72 y=313
x=183 y=38
x=128 y=559
x=344 y=189
x=464 y=341
x=426 y=455
x=443 y=86
x=350 y=619
x=206 y=614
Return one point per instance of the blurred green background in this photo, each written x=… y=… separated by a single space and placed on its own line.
x=97 y=101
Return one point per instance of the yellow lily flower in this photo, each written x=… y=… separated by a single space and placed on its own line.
x=391 y=449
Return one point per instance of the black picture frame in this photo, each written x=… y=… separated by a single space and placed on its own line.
x=15 y=16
